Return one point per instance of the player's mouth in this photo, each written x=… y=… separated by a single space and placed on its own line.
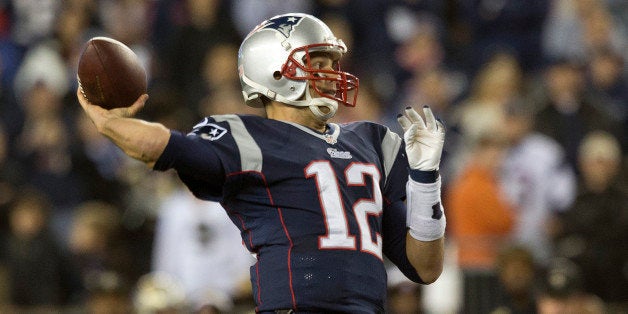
x=330 y=92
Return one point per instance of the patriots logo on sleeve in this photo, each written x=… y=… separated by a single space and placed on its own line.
x=209 y=131
x=283 y=24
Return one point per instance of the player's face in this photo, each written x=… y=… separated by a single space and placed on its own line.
x=326 y=84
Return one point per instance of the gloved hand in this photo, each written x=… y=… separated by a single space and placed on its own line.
x=424 y=140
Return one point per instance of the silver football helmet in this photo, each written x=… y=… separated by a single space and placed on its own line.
x=274 y=62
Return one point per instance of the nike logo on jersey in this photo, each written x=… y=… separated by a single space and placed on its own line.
x=334 y=153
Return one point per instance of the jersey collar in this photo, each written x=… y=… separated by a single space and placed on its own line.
x=330 y=136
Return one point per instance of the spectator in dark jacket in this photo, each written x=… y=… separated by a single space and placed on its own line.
x=593 y=232
x=39 y=272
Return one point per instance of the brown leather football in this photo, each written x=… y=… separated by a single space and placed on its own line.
x=110 y=74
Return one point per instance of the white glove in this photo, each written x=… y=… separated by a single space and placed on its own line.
x=424 y=140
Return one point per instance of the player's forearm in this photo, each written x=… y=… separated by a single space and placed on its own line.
x=139 y=139
x=427 y=257
x=426 y=223
x=142 y=140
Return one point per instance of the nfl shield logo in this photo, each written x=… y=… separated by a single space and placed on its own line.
x=330 y=139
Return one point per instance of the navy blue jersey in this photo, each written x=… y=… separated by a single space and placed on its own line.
x=319 y=210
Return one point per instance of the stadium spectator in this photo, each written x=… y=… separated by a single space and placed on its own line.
x=488 y=27
x=481 y=221
x=593 y=231
x=99 y=244
x=197 y=245
x=577 y=30
x=32 y=21
x=517 y=272
x=562 y=291
x=607 y=78
x=536 y=178
x=43 y=146
x=498 y=82
x=221 y=94
x=206 y=24
x=40 y=274
x=98 y=164
x=566 y=109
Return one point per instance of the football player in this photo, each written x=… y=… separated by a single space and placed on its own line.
x=319 y=204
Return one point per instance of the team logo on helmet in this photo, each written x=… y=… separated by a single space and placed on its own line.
x=283 y=24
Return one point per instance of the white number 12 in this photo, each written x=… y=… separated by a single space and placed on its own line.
x=338 y=236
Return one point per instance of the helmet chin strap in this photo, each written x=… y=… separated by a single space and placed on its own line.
x=314 y=104
x=317 y=103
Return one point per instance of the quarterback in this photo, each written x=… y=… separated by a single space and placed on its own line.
x=319 y=204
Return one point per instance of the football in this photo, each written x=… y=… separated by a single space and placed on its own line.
x=110 y=74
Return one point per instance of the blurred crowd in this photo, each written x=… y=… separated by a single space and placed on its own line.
x=534 y=94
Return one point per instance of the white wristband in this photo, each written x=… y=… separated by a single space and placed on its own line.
x=425 y=218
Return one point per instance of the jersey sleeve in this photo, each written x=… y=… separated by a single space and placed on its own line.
x=201 y=158
x=395 y=164
x=394 y=247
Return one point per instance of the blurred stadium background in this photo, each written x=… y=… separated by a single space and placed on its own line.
x=534 y=94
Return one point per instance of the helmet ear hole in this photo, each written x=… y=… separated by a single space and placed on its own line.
x=277 y=75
